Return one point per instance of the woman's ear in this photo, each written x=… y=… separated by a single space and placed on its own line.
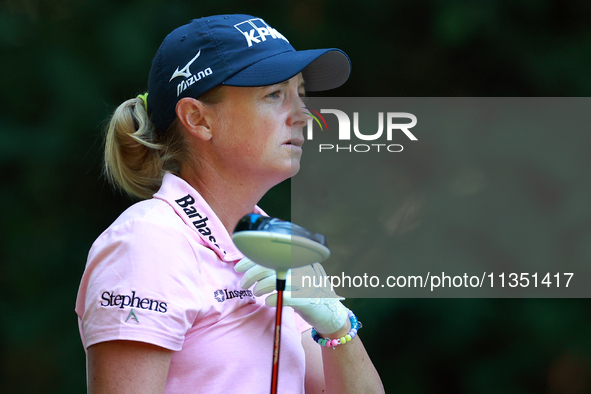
x=194 y=115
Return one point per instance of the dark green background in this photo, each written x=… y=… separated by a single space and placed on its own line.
x=66 y=64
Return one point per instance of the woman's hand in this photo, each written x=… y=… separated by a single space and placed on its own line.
x=344 y=369
x=318 y=305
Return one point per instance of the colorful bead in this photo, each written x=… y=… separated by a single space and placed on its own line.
x=355 y=326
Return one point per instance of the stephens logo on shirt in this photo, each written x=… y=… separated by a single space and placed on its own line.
x=225 y=294
x=123 y=300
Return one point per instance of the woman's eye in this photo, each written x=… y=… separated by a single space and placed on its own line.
x=275 y=94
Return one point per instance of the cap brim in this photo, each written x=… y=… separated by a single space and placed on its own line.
x=322 y=69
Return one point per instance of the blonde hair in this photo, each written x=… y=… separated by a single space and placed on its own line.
x=137 y=155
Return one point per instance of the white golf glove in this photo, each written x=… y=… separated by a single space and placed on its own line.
x=319 y=306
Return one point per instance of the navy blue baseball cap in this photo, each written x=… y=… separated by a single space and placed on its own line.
x=233 y=50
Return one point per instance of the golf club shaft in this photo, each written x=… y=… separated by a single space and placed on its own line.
x=278 y=315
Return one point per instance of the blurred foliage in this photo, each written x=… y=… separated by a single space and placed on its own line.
x=66 y=64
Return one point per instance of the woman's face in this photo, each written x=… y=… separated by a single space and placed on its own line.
x=259 y=131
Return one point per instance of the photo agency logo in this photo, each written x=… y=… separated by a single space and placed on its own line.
x=372 y=142
x=316 y=118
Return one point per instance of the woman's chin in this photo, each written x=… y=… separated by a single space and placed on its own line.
x=295 y=166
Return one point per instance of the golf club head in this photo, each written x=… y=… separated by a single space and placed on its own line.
x=278 y=244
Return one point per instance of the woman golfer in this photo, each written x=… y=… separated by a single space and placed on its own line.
x=161 y=307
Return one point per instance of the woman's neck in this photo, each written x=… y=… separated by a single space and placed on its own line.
x=228 y=197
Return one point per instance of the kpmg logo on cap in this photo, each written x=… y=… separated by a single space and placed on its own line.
x=256 y=31
x=190 y=79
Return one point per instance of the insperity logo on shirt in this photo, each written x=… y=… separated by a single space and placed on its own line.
x=225 y=294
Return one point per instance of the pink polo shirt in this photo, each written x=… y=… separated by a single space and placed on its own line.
x=163 y=273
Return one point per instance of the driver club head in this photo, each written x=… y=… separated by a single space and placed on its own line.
x=278 y=244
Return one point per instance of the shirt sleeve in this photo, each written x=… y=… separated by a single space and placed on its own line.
x=301 y=325
x=141 y=283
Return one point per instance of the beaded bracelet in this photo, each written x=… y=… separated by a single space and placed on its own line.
x=355 y=326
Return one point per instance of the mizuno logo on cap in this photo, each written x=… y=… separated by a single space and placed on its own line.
x=256 y=31
x=190 y=78
x=185 y=71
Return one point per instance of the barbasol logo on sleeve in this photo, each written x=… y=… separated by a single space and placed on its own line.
x=200 y=223
x=257 y=30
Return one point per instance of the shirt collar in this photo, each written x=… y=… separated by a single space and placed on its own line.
x=198 y=215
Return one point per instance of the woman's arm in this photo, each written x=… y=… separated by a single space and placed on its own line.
x=127 y=367
x=345 y=369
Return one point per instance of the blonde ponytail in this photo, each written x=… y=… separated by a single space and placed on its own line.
x=135 y=157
